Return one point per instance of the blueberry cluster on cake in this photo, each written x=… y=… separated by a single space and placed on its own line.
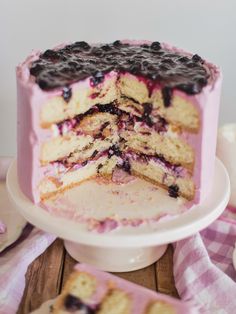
x=145 y=107
x=90 y=291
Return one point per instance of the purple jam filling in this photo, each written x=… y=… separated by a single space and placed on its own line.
x=160 y=124
x=176 y=169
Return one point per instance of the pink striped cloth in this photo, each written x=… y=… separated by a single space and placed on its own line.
x=203 y=267
x=15 y=260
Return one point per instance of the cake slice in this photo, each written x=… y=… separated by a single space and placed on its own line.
x=85 y=110
x=91 y=291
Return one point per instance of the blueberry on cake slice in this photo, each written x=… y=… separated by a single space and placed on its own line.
x=89 y=291
x=145 y=107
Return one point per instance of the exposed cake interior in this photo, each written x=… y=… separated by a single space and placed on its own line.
x=121 y=105
x=91 y=291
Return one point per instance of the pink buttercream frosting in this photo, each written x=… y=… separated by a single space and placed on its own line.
x=30 y=99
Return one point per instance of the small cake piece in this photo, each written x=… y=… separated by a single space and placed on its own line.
x=89 y=291
x=146 y=107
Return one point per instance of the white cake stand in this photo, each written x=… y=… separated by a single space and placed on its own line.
x=125 y=248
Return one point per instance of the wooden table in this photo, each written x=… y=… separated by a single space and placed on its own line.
x=46 y=276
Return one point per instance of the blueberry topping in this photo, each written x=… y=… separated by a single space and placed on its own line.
x=106 y=48
x=73 y=304
x=190 y=89
x=36 y=69
x=183 y=59
x=167 y=95
x=197 y=58
x=173 y=190
x=152 y=62
x=43 y=84
x=145 y=46
x=66 y=93
x=82 y=44
x=51 y=54
x=117 y=43
x=156 y=45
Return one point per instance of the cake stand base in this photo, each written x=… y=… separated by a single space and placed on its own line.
x=115 y=259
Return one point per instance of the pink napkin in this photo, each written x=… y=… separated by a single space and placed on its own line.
x=15 y=260
x=203 y=268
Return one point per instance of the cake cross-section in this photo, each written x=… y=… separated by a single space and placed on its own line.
x=90 y=291
x=145 y=107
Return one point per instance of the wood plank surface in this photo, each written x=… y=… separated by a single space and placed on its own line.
x=47 y=275
x=164 y=273
x=43 y=278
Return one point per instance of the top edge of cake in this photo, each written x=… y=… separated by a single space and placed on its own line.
x=158 y=63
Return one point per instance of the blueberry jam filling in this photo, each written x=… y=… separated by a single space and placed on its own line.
x=109 y=108
x=73 y=304
x=114 y=150
x=99 y=167
x=152 y=62
x=126 y=165
x=147 y=110
x=173 y=190
x=145 y=158
x=158 y=123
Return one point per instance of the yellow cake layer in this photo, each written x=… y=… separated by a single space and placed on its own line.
x=62 y=181
x=173 y=149
x=157 y=174
x=57 y=109
x=181 y=113
x=81 y=146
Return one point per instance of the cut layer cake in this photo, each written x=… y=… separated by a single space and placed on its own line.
x=86 y=110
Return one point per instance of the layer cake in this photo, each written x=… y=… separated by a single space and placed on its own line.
x=145 y=107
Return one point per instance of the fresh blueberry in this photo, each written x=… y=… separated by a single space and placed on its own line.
x=156 y=45
x=173 y=190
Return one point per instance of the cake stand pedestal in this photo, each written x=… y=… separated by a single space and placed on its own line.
x=125 y=248
x=115 y=259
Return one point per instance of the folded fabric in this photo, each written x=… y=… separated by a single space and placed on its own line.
x=203 y=266
x=15 y=260
x=13 y=267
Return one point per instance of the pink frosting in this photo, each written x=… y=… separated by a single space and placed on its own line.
x=3 y=227
x=30 y=99
x=140 y=295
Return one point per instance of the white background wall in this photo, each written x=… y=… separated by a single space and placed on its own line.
x=206 y=27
